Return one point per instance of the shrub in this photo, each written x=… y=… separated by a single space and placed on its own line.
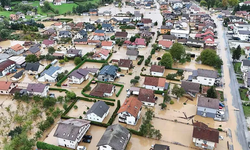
x=110 y=104
x=137 y=77
x=171 y=102
x=80 y=117
x=171 y=76
x=219 y=129
x=87 y=108
x=158 y=92
x=75 y=106
x=130 y=73
x=42 y=145
x=141 y=59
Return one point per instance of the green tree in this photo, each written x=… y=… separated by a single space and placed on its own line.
x=61 y=61
x=236 y=53
x=77 y=60
x=14 y=132
x=48 y=102
x=65 y=106
x=51 y=50
x=224 y=3
x=233 y=2
x=132 y=38
x=166 y=97
x=60 y=99
x=20 y=142
x=177 y=51
x=71 y=95
x=31 y=58
x=211 y=92
x=203 y=3
x=163 y=105
x=156 y=23
x=178 y=91
x=166 y=60
x=112 y=37
x=5 y=3
x=209 y=57
x=4 y=33
x=133 y=81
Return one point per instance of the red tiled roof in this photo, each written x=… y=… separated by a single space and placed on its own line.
x=131 y=105
x=6 y=64
x=153 y=81
x=107 y=43
x=16 y=47
x=146 y=20
x=202 y=131
x=164 y=43
x=146 y=95
x=101 y=88
x=125 y=63
x=156 y=68
x=139 y=41
x=5 y=85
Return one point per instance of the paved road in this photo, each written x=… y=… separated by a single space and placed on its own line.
x=235 y=101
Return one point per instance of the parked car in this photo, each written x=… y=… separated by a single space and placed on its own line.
x=93 y=82
x=86 y=140
x=87 y=137
x=220 y=112
x=222 y=105
x=122 y=75
x=243 y=87
x=221 y=137
x=81 y=148
x=65 y=85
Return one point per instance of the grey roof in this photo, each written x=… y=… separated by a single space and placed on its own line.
x=51 y=30
x=81 y=40
x=32 y=66
x=104 y=25
x=19 y=74
x=4 y=56
x=194 y=40
x=246 y=62
x=68 y=33
x=207 y=73
x=166 y=27
x=137 y=14
x=108 y=70
x=166 y=85
x=92 y=70
x=169 y=37
x=36 y=87
x=208 y=102
x=244 y=32
x=51 y=70
x=69 y=129
x=161 y=147
x=73 y=51
x=99 y=31
x=115 y=136
x=35 y=48
x=99 y=108
x=132 y=52
x=79 y=73
x=190 y=86
x=83 y=32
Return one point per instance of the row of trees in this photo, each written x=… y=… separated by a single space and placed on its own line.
x=217 y=3
x=83 y=8
x=24 y=8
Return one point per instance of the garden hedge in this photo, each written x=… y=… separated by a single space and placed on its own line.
x=68 y=109
x=112 y=118
x=135 y=132
x=158 y=92
x=110 y=54
x=99 y=124
x=42 y=145
x=57 y=89
x=97 y=61
x=119 y=92
x=103 y=98
x=141 y=59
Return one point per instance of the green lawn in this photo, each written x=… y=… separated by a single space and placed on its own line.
x=89 y=1
x=240 y=80
x=237 y=67
x=243 y=94
x=6 y=13
x=246 y=110
x=64 y=8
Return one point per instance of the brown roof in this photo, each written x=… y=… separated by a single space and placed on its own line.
x=208 y=102
x=131 y=105
x=107 y=43
x=156 y=68
x=190 y=86
x=161 y=82
x=125 y=63
x=121 y=34
x=164 y=43
x=146 y=95
x=151 y=81
x=101 y=88
x=146 y=20
x=202 y=131
x=5 y=85
x=17 y=47
x=6 y=64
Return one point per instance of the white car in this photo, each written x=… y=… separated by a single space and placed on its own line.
x=81 y=148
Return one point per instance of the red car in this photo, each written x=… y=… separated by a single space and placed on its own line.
x=220 y=107
x=64 y=84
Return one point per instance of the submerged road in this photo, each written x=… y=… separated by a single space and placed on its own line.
x=237 y=121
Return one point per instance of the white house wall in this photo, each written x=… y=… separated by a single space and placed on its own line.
x=204 y=81
x=159 y=74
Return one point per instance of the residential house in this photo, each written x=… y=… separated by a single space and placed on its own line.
x=7 y=8
x=13 y=17
x=246 y=76
x=35 y=49
x=49 y=31
x=58 y=25
x=164 y=6
x=125 y=64
x=20 y=15
x=94 y=42
x=169 y=38
x=241 y=14
x=30 y=13
x=89 y=27
x=156 y=70
x=99 y=35
x=113 y=21
x=38 y=89
x=195 y=43
x=81 y=34
x=107 y=13
x=180 y=33
x=41 y=3
x=50 y=75
x=83 y=41
x=207 y=107
x=78 y=76
x=48 y=43
x=190 y=88
x=74 y=53
x=147 y=97
x=33 y=68
x=16 y=49
x=247 y=51
x=130 y=111
x=165 y=44
x=98 y=111
x=17 y=76
x=107 y=27
x=160 y=147
x=93 y=12
x=6 y=67
x=140 y=43
x=205 y=137
x=57 y=2
x=6 y=87
x=92 y=71
x=107 y=45
x=71 y=131
x=132 y=54
x=247 y=3
x=154 y=83
x=103 y=90
x=116 y=137
x=166 y=29
x=28 y=43
x=147 y=22
x=204 y=77
x=65 y=34
x=121 y=35
x=177 y=5
x=102 y=54
x=137 y=15
x=19 y=61
x=108 y=73
x=245 y=65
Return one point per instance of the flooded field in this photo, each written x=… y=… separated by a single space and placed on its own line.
x=9 y=43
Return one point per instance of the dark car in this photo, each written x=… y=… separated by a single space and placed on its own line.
x=122 y=75
x=86 y=140
x=87 y=137
x=243 y=87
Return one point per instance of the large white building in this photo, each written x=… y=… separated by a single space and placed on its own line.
x=116 y=137
x=50 y=74
x=78 y=76
x=130 y=111
x=98 y=111
x=204 y=77
x=70 y=132
x=180 y=33
x=38 y=89
x=205 y=137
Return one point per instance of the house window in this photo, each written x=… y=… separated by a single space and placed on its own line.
x=205 y=78
x=209 y=82
x=210 y=79
x=97 y=119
